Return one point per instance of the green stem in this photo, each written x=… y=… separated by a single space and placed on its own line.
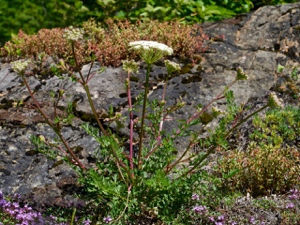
x=126 y=206
x=87 y=90
x=143 y=115
x=191 y=143
x=131 y=122
x=73 y=216
x=162 y=117
x=196 y=115
x=245 y=119
x=211 y=149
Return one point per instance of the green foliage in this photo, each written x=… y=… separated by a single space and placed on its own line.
x=289 y=84
x=278 y=128
x=6 y=218
x=271 y=163
x=153 y=190
x=31 y=16
x=189 y=11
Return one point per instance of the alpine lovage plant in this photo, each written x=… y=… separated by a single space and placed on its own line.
x=147 y=180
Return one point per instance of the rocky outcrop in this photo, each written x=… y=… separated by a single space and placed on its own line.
x=258 y=42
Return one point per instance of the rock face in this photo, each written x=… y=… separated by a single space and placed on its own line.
x=257 y=42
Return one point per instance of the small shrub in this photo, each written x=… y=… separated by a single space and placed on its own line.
x=288 y=85
x=279 y=128
x=270 y=164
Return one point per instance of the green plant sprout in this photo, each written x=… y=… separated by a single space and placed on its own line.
x=289 y=85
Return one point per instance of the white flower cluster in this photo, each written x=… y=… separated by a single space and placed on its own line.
x=20 y=66
x=150 y=51
x=73 y=34
x=274 y=101
x=130 y=66
x=147 y=45
x=216 y=111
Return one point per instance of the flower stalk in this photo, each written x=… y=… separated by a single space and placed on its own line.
x=150 y=52
x=55 y=129
x=143 y=115
x=130 y=66
x=86 y=88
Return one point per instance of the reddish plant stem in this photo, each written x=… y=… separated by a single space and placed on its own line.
x=196 y=115
x=86 y=88
x=48 y=121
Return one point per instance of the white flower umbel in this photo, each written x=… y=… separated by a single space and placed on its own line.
x=73 y=34
x=150 y=51
x=130 y=66
x=20 y=66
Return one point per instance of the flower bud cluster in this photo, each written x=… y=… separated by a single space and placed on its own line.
x=240 y=75
x=130 y=66
x=73 y=34
x=20 y=66
x=172 y=66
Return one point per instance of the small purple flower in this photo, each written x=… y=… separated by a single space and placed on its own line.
x=87 y=222
x=211 y=219
x=195 y=197
x=221 y=218
x=290 y=205
x=219 y=223
x=2 y=202
x=294 y=194
x=233 y=223
x=294 y=191
x=107 y=219
x=53 y=217
x=24 y=215
x=17 y=196
x=199 y=209
x=252 y=220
